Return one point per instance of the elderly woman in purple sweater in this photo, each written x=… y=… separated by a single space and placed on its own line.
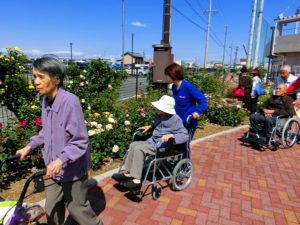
x=65 y=146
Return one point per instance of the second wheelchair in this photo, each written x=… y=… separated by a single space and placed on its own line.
x=284 y=134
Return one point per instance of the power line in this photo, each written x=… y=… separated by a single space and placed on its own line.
x=191 y=21
x=189 y=4
x=197 y=25
x=213 y=34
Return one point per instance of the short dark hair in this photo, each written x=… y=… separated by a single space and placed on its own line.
x=174 y=71
x=52 y=66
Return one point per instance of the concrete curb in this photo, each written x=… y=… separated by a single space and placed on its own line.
x=96 y=179
x=218 y=134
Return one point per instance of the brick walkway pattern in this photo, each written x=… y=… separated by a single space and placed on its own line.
x=232 y=185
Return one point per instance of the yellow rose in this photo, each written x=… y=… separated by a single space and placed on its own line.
x=17 y=49
x=33 y=107
x=96 y=114
x=30 y=86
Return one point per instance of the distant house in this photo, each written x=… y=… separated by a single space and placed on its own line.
x=285 y=46
x=134 y=57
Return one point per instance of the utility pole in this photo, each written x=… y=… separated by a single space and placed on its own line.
x=224 y=50
x=231 y=47
x=258 y=32
x=207 y=34
x=249 y=55
x=166 y=25
x=235 y=56
x=123 y=32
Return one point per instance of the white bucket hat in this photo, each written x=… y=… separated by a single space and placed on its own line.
x=165 y=104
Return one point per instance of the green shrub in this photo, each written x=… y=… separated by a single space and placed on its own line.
x=208 y=83
x=225 y=115
x=15 y=90
x=97 y=86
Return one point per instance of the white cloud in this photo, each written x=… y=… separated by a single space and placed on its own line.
x=33 y=52
x=138 y=24
x=63 y=52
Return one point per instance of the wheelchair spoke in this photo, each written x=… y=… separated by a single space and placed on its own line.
x=182 y=173
x=290 y=133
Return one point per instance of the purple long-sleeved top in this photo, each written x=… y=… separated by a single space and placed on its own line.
x=168 y=124
x=64 y=135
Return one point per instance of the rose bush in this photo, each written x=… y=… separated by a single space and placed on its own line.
x=15 y=89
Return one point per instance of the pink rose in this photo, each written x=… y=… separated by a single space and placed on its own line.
x=37 y=121
x=22 y=123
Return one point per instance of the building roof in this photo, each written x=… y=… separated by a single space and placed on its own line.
x=134 y=54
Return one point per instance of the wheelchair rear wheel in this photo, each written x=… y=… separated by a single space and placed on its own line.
x=290 y=133
x=182 y=173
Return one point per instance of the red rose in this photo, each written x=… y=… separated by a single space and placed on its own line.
x=37 y=121
x=22 y=123
x=1 y=125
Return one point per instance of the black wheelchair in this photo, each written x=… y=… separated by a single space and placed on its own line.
x=284 y=134
x=171 y=164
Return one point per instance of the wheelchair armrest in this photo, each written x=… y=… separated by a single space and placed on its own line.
x=139 y=136
x=170 y=150
x=283 y=117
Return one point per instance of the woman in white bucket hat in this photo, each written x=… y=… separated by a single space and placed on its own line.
x=166 y=126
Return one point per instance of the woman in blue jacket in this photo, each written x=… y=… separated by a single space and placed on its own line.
x=188 y=99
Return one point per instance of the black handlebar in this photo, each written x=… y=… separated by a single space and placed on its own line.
x=12 y=158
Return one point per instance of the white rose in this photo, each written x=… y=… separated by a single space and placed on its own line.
x=98 y=131
x=82 y=101
x=94 y=123
x=109 y=87
x=99 y=126
x=126 y=122
x=71 y=82
x=109 y=126
x=111 y=120
x=84 y=71
x=82 y=77
x=115 y=148
x=239 y=106
x=91 y=132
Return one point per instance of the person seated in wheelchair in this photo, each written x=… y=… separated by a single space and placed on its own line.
x=262 y=122
x=168 y=130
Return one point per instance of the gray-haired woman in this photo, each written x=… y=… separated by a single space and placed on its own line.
x=65 y=146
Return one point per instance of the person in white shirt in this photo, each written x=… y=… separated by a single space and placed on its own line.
x=285 y=77
x=254 y=97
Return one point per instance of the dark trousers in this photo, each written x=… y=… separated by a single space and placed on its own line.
x=73 y=196
x=257 y=119
x=253 y=104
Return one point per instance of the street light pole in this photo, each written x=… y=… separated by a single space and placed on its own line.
x=123 y=32
x=71 y=51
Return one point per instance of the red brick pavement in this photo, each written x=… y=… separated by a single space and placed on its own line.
x=232 y=184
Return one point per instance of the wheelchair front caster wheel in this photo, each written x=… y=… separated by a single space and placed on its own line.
x=156 y=192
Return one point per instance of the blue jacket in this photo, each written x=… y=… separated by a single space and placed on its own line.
x=188 y=99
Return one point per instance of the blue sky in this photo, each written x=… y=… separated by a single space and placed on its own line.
x=95 y=26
